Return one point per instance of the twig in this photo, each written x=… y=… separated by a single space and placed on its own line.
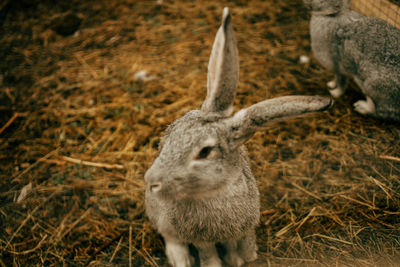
x=149 y=258
x=294 y=259
x=57 y=256
x=306 y=191
x=62 y=226
x=384 y=188
x=103 y=247
x=84 y=63
x=60 y=236
x=285 y=229
x=34 y=164
x=116 y=249
x=93 y=164
x=2 y=212
x=333 y=239
x=27 y=219
x=2 y=241
x=311 y=213
x=390 y=158
x=268 y=212
x=359 y=202
x=144 y=253
x=130 y=245
x=29 y=250
x=378 y=221
x=10 y=121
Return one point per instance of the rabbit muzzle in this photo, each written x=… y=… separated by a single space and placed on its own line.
x=164 y=183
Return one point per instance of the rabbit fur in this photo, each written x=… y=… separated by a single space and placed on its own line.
x=200 y=189
x=365 y=49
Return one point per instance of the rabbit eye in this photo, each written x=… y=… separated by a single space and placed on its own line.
x=204 y=152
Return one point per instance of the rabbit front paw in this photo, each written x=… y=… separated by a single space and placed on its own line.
x=332 y=84
x=232 y=256
x=240 y=251
x=208 y=255
x=365 y=107
x=335 y=90
x=178 y=254
x=234 y=260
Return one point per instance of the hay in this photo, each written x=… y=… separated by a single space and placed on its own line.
x=78 y=132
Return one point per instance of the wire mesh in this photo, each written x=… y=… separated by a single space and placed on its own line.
x=378 y=8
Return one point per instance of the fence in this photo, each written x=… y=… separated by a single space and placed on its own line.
x=378 y=8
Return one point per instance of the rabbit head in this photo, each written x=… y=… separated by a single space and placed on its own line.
x=201 y=153
x=326 y=7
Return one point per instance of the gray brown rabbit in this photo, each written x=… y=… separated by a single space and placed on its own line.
x=358 y=47
x=200 y=189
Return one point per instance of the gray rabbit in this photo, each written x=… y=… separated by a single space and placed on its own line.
x=200 y=189
x=358 y=47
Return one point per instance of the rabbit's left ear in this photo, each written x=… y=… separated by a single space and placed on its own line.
x=223 y=70
x=241 y=126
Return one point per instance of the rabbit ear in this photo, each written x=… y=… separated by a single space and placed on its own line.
x=246 y=122
x=346 y=4
x=223 y=70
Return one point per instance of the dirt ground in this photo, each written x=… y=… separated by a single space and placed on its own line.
x=79 y=128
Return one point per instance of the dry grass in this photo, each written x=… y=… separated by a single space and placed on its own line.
x=78 y=131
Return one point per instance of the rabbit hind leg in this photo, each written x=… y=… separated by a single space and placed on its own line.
x=382 y=99
x=365 y=107
x=386 y=97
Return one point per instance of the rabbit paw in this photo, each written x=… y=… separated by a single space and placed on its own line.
x=335 y=90
x=251 y=257
x=211 y=263
x=208 y=255
x=336 y=93
x=332 y=84
x=178 y=254
x=365 y=107
x=233 y=259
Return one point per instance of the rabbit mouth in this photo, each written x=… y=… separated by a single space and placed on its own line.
x=201 y=195
x=191 y=190
x=331 y=12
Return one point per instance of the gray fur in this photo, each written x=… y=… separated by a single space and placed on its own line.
x=200 y=188
x=365 y=49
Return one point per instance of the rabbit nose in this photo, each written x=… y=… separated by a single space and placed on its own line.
x=153 y=180
x=154 y=188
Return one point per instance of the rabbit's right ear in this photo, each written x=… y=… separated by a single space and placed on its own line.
x=242 y=125
x=346 y=4
x=223 y=70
